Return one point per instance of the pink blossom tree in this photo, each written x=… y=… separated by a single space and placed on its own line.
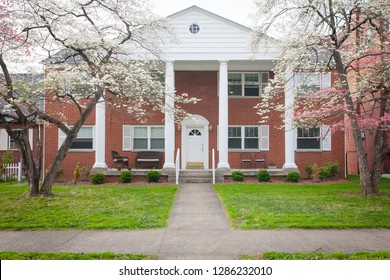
x=350 y=39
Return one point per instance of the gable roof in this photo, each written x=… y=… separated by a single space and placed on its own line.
x=218 y=17
x=217 y=38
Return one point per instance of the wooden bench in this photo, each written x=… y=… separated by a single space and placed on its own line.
x=148 y=159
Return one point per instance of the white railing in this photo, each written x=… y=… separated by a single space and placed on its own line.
x=177 y=166
x=12 y=171
x=213 y=165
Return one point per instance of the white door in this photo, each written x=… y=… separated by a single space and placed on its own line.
x=195 y=147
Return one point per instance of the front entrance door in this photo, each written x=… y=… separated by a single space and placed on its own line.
x=195 y=147
x=195 y=142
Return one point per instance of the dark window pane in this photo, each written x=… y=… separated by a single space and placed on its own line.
x=308 y=143
x=251 y=132
x=234 y=132
x=82 y=143
x=235 y=90
x=157 y=144
x=251 y=90
x=234 y=143
x=140 y=143
x=251 y=143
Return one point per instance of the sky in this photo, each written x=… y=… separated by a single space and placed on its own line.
x=234 y=10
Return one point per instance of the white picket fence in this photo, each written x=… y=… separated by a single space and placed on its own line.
x=12 y=171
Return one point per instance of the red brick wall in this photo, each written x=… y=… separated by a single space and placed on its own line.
x=203 y=85
x=51 y=139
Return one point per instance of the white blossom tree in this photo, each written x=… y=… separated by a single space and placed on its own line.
x=97 y=50
x=349 y=38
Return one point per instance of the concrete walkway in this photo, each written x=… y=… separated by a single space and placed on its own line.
x=198 y=229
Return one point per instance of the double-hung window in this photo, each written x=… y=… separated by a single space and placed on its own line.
x=247 y=84
x=12 y=144
x=308 y=138
x=148 y=138
x=248 y=137
x=7 y=143
x=314 y=138
x=84 y=140
x=310 y=82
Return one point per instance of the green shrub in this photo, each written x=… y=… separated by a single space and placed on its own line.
x=84 y=173
x=333 y=169
x=126 y=177
x=329 y=170
x=98 y=178
x=263 y=176
x=293 y=177
x=309 y=170
x=237 y=176
x=153 y=176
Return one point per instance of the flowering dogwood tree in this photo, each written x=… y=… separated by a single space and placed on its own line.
x=350 y=39
x=97 y=50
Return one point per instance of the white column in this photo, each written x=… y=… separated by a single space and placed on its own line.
x=223 y=116
x=100 y=135
x=289 y=134
x=169 y=115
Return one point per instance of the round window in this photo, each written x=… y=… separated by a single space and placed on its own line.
x=194 y=28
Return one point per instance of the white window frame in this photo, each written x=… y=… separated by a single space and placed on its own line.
x=261 y=83
x=325 y=139
x=10 y=140
x=324 y=81
x=6 y=139
x=149 y=137
x=62 y=136
x=263 y=138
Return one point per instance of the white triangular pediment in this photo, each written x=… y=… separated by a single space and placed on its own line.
x=217 y=38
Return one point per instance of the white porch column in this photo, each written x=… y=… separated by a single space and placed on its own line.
x=169 y=115
x=100 y=135
x=223 y=116
x=289 y=134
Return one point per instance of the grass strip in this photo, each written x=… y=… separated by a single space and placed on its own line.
x=318 y=256
x=87 y=207
x=72 y=256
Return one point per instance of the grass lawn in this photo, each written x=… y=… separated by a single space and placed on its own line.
x=336 y=205
x=319 y=256
x=72 y=256
x=87 y=207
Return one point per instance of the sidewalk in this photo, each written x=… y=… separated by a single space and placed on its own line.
x=198 y=229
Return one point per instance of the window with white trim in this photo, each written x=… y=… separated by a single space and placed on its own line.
x=311 y=82
x=248 y=137
x=308 y=138
x=6 y=142
x=143 y=138
x=247 y=84
x=12 y=144
x=85 y=139
x=314 y=138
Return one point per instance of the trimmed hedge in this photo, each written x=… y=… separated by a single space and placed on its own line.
x=126 y=177
x=263 y=176
x=237 y=176
x=153 y=176
x=98 y=178
x=293 y=177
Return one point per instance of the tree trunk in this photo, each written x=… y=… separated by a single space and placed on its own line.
x=46 y=189
x=365 y=176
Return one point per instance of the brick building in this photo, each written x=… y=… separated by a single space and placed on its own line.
x=211 y=61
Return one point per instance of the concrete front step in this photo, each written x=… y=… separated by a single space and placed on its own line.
x=195 y=176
